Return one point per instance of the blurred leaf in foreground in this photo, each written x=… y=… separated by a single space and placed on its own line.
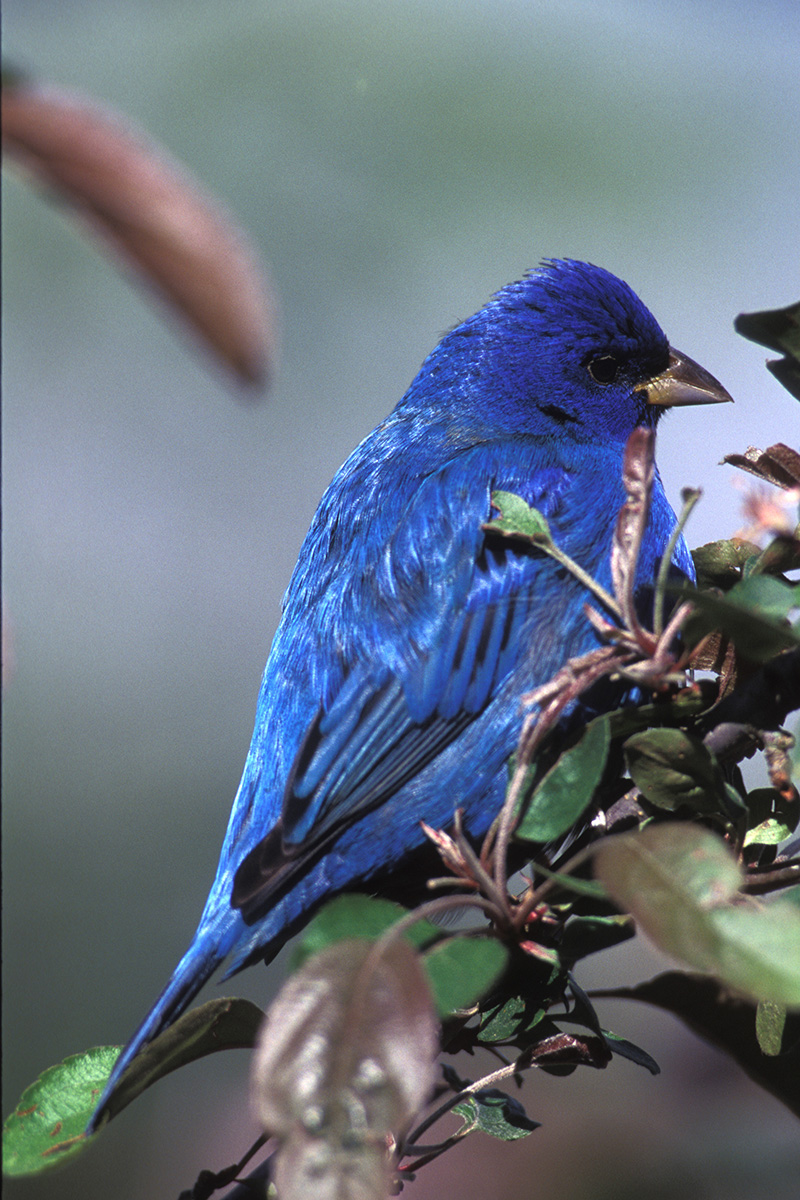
x=152 y=214
x=345 y=1060
x=681 y=885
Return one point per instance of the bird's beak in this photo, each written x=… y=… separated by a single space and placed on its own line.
x=683 y=382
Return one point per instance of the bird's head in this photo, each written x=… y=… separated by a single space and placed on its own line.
x=569 y=347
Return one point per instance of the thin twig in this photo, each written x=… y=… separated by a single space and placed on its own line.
x=778 y=876
x=690 y=498
x=478 y=1086
x=583 y=577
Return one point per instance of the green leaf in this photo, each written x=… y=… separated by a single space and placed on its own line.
x=681 y=885
x=357 y=916
x=508 y=1021
x=46 y=1128
x=768 y=833
x=772 y=816
x=492 y=1111
x=787 y=372
x=518 y=519
x=770 y=597
x=753 y=614
x=47 y=1125
x=221 y=1024
x=673 y=770
x=689 y=702
x=66 y=1095
x=720 y=563
x=635 y=1054
x=776 y=328
x=582 y=1011
x=461 y=969
x=758 y=950
x=782 y=554
x=770 y=1024
x=564 y=793
x=728 y=1022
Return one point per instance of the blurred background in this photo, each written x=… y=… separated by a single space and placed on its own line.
x=395 y=163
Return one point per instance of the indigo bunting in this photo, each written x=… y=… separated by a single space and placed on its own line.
x=409 y=633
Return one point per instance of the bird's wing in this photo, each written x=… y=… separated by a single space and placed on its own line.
x=458 y=601
x=383 y=727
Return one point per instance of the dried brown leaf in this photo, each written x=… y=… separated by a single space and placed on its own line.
x=778 y=464
x=717 y=653
x=448 y=849
x=152 y=215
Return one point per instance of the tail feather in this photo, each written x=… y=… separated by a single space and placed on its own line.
x=195 y=968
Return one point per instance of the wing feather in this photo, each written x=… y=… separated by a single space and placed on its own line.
x=459 y=600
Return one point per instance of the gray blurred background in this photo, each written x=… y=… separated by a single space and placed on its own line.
x=395 y=163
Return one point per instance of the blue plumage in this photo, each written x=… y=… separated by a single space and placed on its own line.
x=392 y=690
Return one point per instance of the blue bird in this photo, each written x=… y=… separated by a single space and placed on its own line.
x=392 y=690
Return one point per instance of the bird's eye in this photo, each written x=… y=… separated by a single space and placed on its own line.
x=604 y=369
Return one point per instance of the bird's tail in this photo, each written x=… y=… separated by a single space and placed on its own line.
x=206 y=952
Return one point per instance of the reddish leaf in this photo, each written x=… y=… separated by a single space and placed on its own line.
x=637 y=476
x=140 y=202
x=717 y=653
x=345 y=1059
